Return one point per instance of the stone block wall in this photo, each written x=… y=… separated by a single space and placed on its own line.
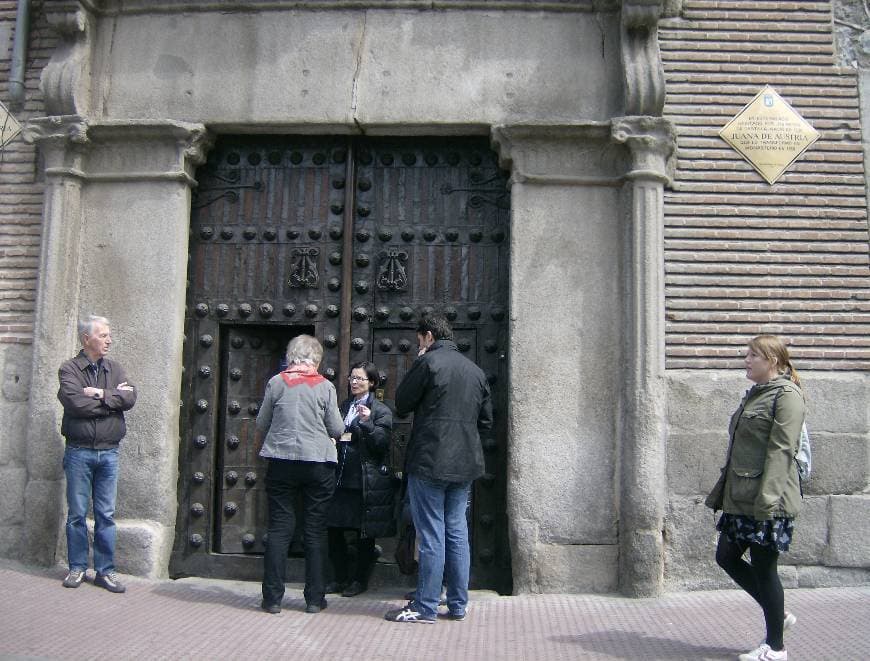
x=829 y=547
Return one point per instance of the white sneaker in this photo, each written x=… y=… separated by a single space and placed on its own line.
x=764 y=653
x=789 y=621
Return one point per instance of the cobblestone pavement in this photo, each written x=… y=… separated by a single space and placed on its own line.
x=210 y=619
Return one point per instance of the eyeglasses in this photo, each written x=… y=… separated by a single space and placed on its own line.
x=357 y=378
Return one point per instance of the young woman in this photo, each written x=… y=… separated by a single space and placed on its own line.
x=363 y=500
x=761 y=493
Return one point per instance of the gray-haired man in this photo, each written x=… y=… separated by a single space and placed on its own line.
x=95 y=393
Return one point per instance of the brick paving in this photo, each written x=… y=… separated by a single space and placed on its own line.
x=211 y=619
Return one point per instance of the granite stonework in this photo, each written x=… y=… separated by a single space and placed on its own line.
x=830 y=533
x=609 y=455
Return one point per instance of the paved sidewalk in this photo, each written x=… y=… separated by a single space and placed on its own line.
x=209 y=619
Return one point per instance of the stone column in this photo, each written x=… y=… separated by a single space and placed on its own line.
x=63 y=143
x=643 y=491
x=564 y=354
x=117 y=222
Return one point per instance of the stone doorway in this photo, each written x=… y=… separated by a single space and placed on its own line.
x=349 y=239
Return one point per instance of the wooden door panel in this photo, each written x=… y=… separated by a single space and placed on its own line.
x=352 y=240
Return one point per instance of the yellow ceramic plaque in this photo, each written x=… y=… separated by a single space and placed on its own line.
x=9 y=126
x=769 y=133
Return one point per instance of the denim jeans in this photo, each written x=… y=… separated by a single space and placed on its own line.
x=284 y=480
x=438 y=509
x=91 y=475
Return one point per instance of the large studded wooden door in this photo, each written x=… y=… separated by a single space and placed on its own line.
x=351 y=240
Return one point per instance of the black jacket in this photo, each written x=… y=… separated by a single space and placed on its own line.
x=88 y=422
x=363 y=463
x=450 y=399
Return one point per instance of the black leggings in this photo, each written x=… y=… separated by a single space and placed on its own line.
x=760 y=579
x=338 y=555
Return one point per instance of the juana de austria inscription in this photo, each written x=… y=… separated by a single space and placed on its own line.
x=769 y=134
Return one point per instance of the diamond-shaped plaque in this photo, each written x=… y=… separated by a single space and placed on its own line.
x=9 y=126
x=769 y=134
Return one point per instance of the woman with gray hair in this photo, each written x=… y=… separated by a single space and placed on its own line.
x=297 y=424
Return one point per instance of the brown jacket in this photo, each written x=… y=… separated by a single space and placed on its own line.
x=93 y=423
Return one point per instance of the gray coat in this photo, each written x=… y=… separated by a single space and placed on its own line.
x=299 y=417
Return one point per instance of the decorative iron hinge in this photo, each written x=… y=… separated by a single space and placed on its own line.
x=481 y=193
x=229 y=192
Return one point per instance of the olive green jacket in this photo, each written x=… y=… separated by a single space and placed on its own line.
x=761 y=475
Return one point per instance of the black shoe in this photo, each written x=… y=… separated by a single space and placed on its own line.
x=316 y=608
x=110 y=582
x=334 y=587
x=273 y=609
x=354 y=589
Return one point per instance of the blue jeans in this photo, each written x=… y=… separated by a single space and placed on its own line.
x=438 y=509
x=91 y=474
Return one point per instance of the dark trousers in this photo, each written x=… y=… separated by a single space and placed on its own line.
x=284 y=481
x=760 y=579
x=365 y=557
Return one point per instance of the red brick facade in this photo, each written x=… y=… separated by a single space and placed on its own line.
x=743 y=257
x=20 y=184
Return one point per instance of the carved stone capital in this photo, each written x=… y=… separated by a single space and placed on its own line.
x=197 y=145
x=65 y=81
x=641 y=59
x=651 y=141
x=62 y=140
x=132 y=150
x=568 y=154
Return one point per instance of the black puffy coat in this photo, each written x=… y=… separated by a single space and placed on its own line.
x=363 y=463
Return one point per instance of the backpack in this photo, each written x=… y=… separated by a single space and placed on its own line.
x=804 y=456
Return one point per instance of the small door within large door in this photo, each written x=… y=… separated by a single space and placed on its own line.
x=350 y=240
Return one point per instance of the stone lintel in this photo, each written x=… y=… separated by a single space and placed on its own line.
x=133 y=7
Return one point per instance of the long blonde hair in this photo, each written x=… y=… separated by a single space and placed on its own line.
x=774 y=350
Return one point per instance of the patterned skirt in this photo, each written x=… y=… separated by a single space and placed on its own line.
x=742 y=529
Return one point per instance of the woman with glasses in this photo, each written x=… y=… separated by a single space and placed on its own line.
x=363 y=499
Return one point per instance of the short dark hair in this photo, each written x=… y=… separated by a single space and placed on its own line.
x=371 y=371
x=436 y=324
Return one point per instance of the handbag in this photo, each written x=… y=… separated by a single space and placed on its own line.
x=405 y=548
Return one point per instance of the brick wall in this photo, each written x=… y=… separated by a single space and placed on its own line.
x=20 y=184
x=743 y=257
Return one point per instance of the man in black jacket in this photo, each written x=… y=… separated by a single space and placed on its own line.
x=94 y=393
x=450 y=398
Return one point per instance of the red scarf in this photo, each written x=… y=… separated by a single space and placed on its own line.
x=302 y=374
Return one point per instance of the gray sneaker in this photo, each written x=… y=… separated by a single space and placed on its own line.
x=110 y=582
x=74 y=578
